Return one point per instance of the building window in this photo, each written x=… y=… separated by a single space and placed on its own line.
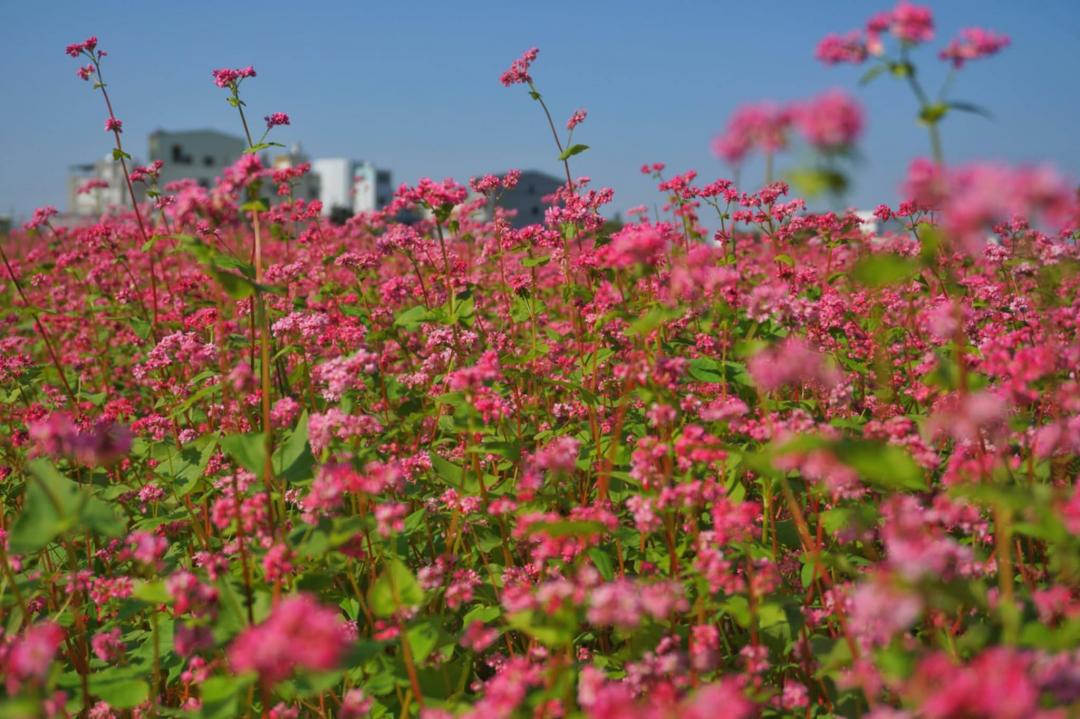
x=178 y=156
x=535 y=211
x=208 y=161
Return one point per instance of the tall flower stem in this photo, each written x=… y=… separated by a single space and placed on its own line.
x=122 y=157
x=263 y=331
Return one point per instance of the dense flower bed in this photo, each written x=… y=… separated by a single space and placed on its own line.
x=736 y=459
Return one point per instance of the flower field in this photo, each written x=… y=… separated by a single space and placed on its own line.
x=730 y=458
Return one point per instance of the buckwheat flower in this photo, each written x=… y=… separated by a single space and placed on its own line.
x=576 y=119
x=299 y=634
x=477 y=637
x=834 y=49
x=275 y=119
x=148 y=547
x=831 y=121
x=28 y=658
x=761 y=126
x=972 y=44
x=881 y=611
x=41 y=217
x=518 y=74
x=101 y=710
x=638 y=244
x=85 y=72
x=76 y=49
x=355 y=704
x=108 y=646
x=791 y=363
x=228 y=78
x=912 y=24
x=114 y=125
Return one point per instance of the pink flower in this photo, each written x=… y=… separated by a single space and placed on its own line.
x=31 y=654
x=972 y=44
x=842 y=48
x=793 y=362
x=108 y=646
x=518 y=74
x=477 y=637
x=880 y=611
x=300 y=633
x=42 y=215
x=114 y=125
x=275 y=119
x=912 y=24
x=103 y=443
x=576 y=119
x=229 y=78
x=761 y=126
x=830 y=121
x=78 y=48
x=355 y=704
x=639 y=244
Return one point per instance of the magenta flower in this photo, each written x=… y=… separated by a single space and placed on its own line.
x=762 y=126
x=114 y=125
x=972 y=44
x=275 y=119
x=228 y=78
x=299 y=634
x=830 y=121
x=518 y=74
x=576 y=119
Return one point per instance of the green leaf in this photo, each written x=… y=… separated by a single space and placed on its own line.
x=871 y=74
x=652 y=319
x=247 y=450
x=536 y=261
x=568 y=528
x=446 y=470
x=602 y=561
x=423 y=638
x=886 y=466
x=971 y=108
x=882 y=270
x=54 y=505
x=395 y=588
x=573 y=150
x=123 y=694
x=293 y=458
x=411 y=318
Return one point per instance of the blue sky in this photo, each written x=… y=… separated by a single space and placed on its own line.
x=414 y=86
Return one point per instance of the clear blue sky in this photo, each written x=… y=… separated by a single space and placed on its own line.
x=414 y=86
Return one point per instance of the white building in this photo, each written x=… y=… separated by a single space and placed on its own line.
x=200 y=155
x=96 y=187
x=351 y=185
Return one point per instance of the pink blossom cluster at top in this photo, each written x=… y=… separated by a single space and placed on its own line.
x=911 y=25
x=972 y=44
x=276 y=119
x=228 y=78
x=828 y=122
x=518 y=74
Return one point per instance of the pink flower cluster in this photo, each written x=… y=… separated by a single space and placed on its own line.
x=300 y=633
